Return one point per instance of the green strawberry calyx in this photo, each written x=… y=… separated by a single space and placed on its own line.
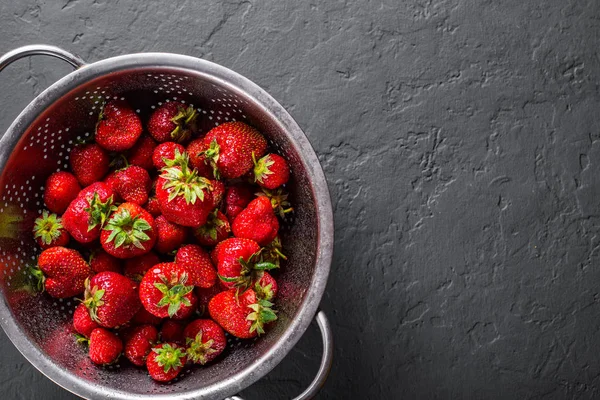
x=168 y=357
x=211 y=156
x=93 y=299
x=37 y=278
x=272 y=252
x=48 y=227
x=261 y=167
x=98 y=211
x=174 y=292
x=212 y=225
x=178 y=160
x=185 y=121
x=185 y=182
x=261 y=314
x=279 y=201
x=252 y=271
x=264 y=292
x=127 y=230
x=197 y=350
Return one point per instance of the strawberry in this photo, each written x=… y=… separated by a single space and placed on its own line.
x=215 y=230
x=61 y=189
x=218 y=193
x=133 y=184
x=237 y=197
x=196 y=261
x=229 y=149
x=82 y=322
x=278 y=199
x=89 y=163
x=153 y=207
x=165 y=362
x=101 y=261
x=169 y=235
x=111 y=299
x=266 y=287
x=173 y=121
x=172 y=331
x=143 y=317
x=183 y=196
x=49 y=231
x=136 y=267
x=257 y=222
x=141 y=153
x=105 y=347
x=139 y=344
x=166 y=151
x=205 y=340
x=271 y=171
x=64 y=272
x=87 y=214
x=129 y=232
x=119 y=127
x=163 y=290
x=242 y=315
x=239 y=262
x=197 y=160
x=187 y=311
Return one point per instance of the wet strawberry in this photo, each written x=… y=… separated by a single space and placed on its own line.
x=89 y=163
x=136 y=267
x=139 y=344
x=129 y=232
x=101 y=261
x=119 y=127
x=111 y=299
x=271 y=171
x=105 y=347
x=205 y=340
x=64 y=272
x=164 y=290
x=165 y=362
x=133 y=184
x=215 y=230
x=60 y=190
x=173 y=121
x=166 y=151
x=257 y=222
x=237 y=197
x=82 y=322
x=198 y=265
x=141 y=153
x=170 y=235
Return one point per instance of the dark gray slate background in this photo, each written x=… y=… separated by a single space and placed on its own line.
x=461 y=143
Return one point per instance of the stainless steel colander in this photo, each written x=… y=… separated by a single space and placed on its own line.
x=38 y=143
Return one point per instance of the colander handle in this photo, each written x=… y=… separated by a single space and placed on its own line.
x=40 y=49
x=326 y=361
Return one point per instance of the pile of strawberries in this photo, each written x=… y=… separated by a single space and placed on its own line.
x=171 y=236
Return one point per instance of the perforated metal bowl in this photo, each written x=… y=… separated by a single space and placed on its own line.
x=38 y=143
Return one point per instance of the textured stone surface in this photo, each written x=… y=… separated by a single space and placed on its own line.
x=459 y=139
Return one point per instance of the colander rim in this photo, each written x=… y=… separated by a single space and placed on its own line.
x=234 y=81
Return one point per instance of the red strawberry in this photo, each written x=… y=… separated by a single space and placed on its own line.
x=239 y=262
x=65 y=271
x=165 y=362
x=163 y=290
x=119 y=127
x=111 y=298
x=133 y=184
x=173 y=121
x=141 y=153
x=229 y=149
x=197 y=159
x=86 y=215
x=82 y=322
x=170 y=235
x=278 y=199
x=215 y=230
x=153 y=207
x=143 y=317
x=61 y=189
x=205 y=340
x=129 y=232
x=205 y=295
x=172 y=331
x=89 y=163
x=183 y=196
x=49 y=231
x=101 y=261
x=105 y=347
x=166 y=151
x=218 y=193
x=266 y=287
x=198 y=265
x=257 y=222
x=242 y=315
x=271 y=171
x=237 y=198
x=139 y=344
x=136 y=267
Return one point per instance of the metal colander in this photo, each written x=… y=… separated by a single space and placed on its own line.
x=38 y=143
